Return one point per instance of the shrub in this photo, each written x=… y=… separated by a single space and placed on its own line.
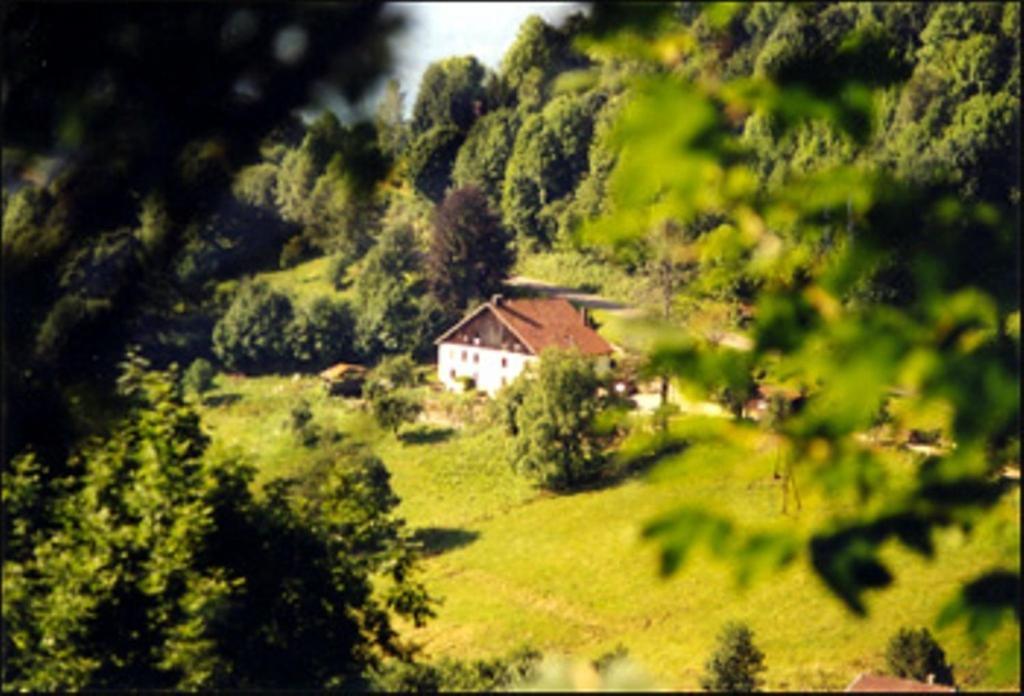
x=393 y=408
x=198 y=378
x=915 y=654
x=736 y=663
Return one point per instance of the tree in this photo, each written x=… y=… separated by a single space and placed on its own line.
x=387 y=317
x=392 y=129
x=157 y=568
x=736 y=664
x=548 y=159
x=253 y=334
x=321 y=334
x=915 y=654
x=451 y=93
x=538 y=53
x=549 y=416
x=482 y=158
x=431 y=158
x=470 y=252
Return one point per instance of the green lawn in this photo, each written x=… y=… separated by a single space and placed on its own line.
x=570 y=573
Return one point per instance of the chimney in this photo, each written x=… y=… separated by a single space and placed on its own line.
x=496 y=299
x=930 y=679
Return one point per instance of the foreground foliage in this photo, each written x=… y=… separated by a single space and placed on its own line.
x=155 y=567
x=863 y=283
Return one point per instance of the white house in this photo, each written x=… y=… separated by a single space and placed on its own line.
x=494 y=343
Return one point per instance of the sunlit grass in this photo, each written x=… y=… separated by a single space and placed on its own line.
x=306 y=281
x=571 y=573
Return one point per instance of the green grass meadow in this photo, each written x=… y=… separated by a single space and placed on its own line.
x=570 y=573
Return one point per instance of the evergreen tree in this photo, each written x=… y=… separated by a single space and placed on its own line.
x=736 y=665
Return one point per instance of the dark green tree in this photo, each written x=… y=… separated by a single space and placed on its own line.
x=482 y=158
x=430 y=160
x=387 y=315
x=737 y=664
x=470 y=251
x=915 y=654
x=253 y=334
x=321 y=334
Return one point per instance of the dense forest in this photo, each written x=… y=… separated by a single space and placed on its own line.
x=637 y=150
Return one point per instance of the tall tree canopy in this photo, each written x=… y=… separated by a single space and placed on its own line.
x=470 y=251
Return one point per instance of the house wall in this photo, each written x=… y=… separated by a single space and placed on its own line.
x=490 y=368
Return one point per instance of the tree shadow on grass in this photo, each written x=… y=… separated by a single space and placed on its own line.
x=221 y=399
x=437 y=540
x=425 y=435
x=617 y=472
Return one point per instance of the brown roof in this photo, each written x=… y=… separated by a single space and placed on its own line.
x=542 y=323
x=878 y=683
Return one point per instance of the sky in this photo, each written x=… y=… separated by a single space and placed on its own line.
x=437 y=30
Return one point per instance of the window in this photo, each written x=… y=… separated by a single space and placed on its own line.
x=504 y=381
x=451 y=373
x=476 y=357
x=463 y=356
x=504 y=363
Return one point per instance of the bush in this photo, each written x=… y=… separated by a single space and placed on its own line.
x=915 y=654
x=253 y=334
x=198 y=378
x=393 y=408
x=736 y=663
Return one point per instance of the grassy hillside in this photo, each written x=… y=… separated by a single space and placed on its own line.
x=570 y=573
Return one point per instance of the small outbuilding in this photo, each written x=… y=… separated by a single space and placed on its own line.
x=344 y=379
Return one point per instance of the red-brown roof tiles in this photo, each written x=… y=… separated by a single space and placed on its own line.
x=545 y=323
x=542 y=323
